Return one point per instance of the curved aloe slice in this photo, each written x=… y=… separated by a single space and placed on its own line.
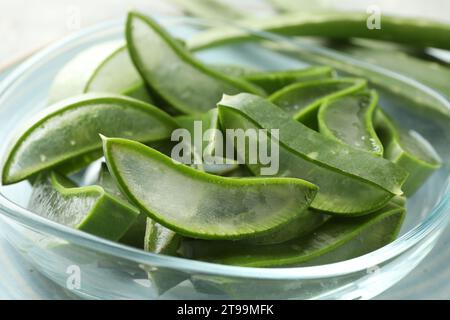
x=90 y=209
x=215 y=207
x=272 y=81
x=106 y=67
x=302 y=100
x=70 y=129
x=409 y=150
x=337 y=240
x=350 y=181
x=350 y=120
x=173 y=73
x=336 y=25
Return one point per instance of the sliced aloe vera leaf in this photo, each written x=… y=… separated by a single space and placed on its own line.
x=205 y=206
x=349 y=120
x=272 y=81
x=234 y=70
x=208 y=133
x=70 y=129
x=106 y=67
x=337 y=240
x=409 y=150
x=351 y=182
x=173 y=73
x=302 y=100
x=90 y=209
x=334 y=25
x=134 y=236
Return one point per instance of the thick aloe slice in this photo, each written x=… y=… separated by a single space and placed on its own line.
x=302 y=100
x=337 y=240
x=335 y=25
x=349 y=120
x=350 y=181
x=272 y=81
x=408 y=150
x=90 y=209
x=70 y=129
x=106 y=67
x=172 y=72
x=215 y=207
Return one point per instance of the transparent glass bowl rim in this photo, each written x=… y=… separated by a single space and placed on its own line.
x=438 y=217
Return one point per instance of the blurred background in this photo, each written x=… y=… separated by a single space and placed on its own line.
x=28 y=25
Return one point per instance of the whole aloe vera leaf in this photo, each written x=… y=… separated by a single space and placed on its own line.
x=90 y=209
x=336 y=240
x=197 y=87
x=216 y=207
x=351 y=182
x=409 y=150
x=349 y=119
x=334 y=25
x=302 y=100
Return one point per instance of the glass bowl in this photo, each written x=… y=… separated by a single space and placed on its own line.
x=92 y=267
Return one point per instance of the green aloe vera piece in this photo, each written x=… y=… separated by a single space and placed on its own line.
x=91 y=209
x=334 y=25
x=351 y=182
x=159 y=239
x=302 y=100
x=197 y=87
x=70 y=130
x=409 y=150
x=337 y=240
x=216 y=207
x=272 y=81
x=349 y=120
x=211 y=9
x=233 y=70
x=106 y=67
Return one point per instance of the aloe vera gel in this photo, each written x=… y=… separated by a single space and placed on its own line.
x=280 y=168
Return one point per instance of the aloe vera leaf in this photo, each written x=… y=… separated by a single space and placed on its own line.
x=351 y=182
x=90 y=209
x=106 y=67
x=211 y=9
x=215 y=207
x=409 y=150
x=349 y=120
x=337 y=240
x=333 y=25
x=302 y=100
x=159 y=239
x=70 y=129
x=272 y=81
x=235 y=70
x=197 y=87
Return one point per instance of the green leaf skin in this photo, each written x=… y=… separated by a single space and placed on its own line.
x=349 y=120
x=334 y=25
x=173 y=73
x=351 y=182
x=70 y=129
x=337 y=240
x=106 y=67
x=408 y=150
x=200 y=205
x=272 y=81
x=302 y=100
x=90 y=209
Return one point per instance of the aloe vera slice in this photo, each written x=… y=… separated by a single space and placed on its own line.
x=302 y=100
x=215 y=207
x=272 y=81
x=106 y=67
x=337 y=240
x=351 y=182
x=172 y=72
x=70 y=129
x=90 y=209
x=408 y=150
x=334 y=25
x=349 y=120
